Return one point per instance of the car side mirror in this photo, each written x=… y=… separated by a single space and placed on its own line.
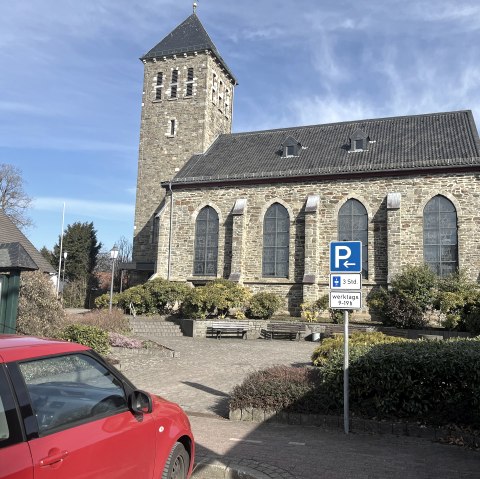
x=140 y=402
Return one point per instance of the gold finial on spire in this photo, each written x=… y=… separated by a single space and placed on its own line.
x=194 y=7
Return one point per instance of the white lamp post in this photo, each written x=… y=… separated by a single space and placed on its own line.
x=113 y=256
x=65 y=254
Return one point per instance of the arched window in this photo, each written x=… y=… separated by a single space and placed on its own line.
x=353 y=226
x=206 y=243
x=276 y=236
x=440 y=244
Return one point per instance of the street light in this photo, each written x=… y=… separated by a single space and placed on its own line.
x=113 y=257
x=65 y=254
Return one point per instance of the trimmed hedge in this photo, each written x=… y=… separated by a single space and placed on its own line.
x=433 y=382
x=329 y=347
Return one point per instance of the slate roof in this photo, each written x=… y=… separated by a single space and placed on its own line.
x=10 y=234
x=190 y=36
x=14 y=256
x=431 y=141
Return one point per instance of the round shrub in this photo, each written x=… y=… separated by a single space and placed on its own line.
x=263 y=305
x=274 y=389
x=103 y=301
x=164 y=295
x=89 y=336
x=214 y=299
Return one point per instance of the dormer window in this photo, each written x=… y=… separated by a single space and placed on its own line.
x=359 y=141
x=291 y=147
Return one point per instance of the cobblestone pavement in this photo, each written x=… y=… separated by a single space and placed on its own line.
x=206 y=370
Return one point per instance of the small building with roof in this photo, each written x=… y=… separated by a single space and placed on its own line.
x=17 y=254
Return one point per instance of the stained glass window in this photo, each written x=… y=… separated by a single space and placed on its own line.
x=276 y=236
x=353 y=226
x=440 y=246
x=206 y=243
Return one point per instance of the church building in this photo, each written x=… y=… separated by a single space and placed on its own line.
x=262 y=207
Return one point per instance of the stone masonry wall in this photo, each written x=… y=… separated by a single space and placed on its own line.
x=199 y=119
x=463 y=189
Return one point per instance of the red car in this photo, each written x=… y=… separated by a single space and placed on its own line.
x=66 y=413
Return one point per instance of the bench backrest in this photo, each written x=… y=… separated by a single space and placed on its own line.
x=286 y=326
x=229 y=325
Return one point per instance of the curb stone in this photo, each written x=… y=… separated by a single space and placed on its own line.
x=335 y=422
x=210 y=467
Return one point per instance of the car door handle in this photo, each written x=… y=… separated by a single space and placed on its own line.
x=53 y=457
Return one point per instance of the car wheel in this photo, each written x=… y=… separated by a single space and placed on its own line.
x=177 y=463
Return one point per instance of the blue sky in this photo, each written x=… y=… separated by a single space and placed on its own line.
x=71 y=82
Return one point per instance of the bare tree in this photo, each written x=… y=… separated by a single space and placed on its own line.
x=13 y=199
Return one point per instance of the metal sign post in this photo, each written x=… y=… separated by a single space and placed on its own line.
x=345 y=293
x=346 y=391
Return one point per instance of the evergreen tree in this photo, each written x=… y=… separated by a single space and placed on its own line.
x=82 y=247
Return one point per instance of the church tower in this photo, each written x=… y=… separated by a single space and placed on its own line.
x=187 y=102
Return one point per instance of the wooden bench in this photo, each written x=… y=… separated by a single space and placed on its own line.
x=290 y=330
x=228 y=327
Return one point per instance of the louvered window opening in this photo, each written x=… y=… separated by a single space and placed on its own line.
x=189 y=89
x=174 y=85
x=440 y=236
x=276 y=238
x=214 y=88
x=159 y=86
x=206 y=243
x=353 y=226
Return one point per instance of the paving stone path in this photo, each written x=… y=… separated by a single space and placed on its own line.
x=204 y=371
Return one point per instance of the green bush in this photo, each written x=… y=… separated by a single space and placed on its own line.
x=275 y=389
x=39 y=311
x=135 y=300
x=263 y=305
x=90 y=336
x=311 y=311
x=103 y=301
x=165 y=295
x=363 y=341
x=404 y=305
x=215 y=299
x=432 y=382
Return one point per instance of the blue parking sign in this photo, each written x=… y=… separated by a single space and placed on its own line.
x=346 y=257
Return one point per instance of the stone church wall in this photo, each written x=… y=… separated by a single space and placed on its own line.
x=395 y=234
x=198 y=121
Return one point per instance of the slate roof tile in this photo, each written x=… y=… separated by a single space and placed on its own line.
x=9 y=233
x=190 y=36
x=438 y=140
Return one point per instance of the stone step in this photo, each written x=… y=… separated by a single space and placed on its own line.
x=155 y=327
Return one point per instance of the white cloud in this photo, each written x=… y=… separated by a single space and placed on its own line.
x=86 y=208
x=330 y=109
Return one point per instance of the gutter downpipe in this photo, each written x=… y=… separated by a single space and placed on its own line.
x=169 y=263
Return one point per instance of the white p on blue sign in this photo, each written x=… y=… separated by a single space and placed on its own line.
x=346 y=256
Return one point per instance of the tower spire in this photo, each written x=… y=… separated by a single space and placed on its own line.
x=195 y=7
